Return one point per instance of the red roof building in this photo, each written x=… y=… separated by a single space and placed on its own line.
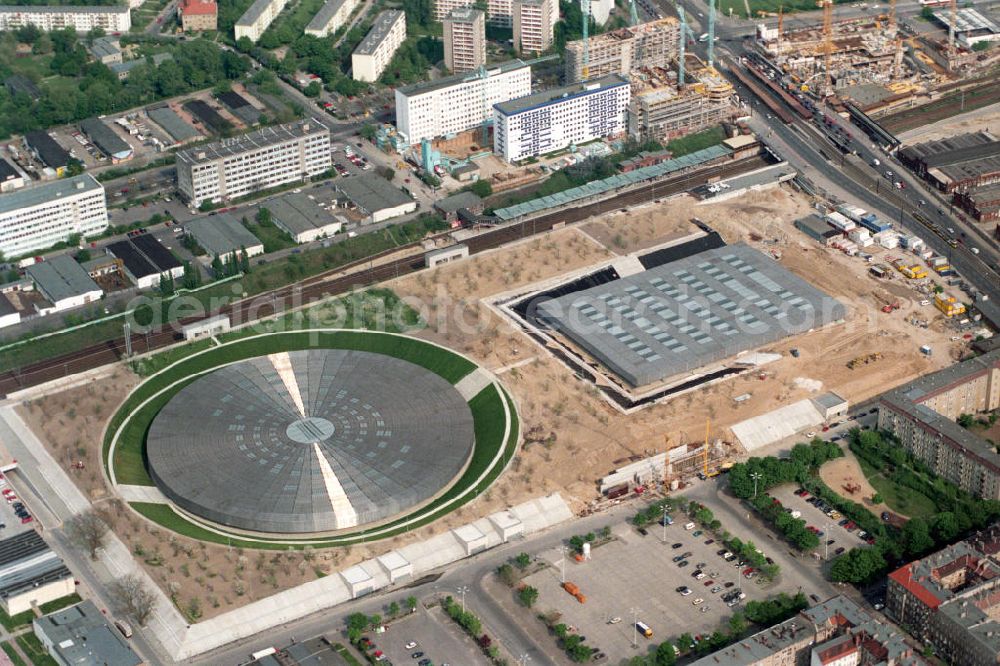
x=197 y=15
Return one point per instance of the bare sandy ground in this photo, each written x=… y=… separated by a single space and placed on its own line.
x=986 y=118
x=846 y=472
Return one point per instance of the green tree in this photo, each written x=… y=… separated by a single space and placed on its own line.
x=877 y=498
x=356 y=625
x=367 y=132
x=966 y=420
x=858 y=565
x=522 y=560
x=944 y=527
x=665 y=654
x=527 y=595
x=915 y=537
x=74 y=167
x=217 y=267
x=506 y=574
x=393 y=609
x=312 y=90
x=411 y=603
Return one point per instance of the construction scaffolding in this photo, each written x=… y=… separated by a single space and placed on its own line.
x=652 y=44
x=660 y=111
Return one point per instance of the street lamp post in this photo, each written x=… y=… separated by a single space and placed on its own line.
x=635 y=627
x=462 y=589
x=664 y=524
x=756 y=476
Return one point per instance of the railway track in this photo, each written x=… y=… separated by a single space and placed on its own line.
x=323 y=286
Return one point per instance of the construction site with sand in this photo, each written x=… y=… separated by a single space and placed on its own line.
x=571 y=434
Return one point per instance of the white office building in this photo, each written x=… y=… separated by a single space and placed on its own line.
x=558 y=118
x=255 y=20
x=37 y=218
x=272 y=156
x=458 y=103
x=331 y=17
x=375 y=51
x=112 y=18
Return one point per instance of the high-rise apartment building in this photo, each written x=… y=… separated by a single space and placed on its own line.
x=255 y=20
x=534 y=24
x=652 y=44
x=331 y=17
x=465 y=39
x=459 y=102
x=83 y=19
x=500 y=13
x=269 y=157
x=37 y=218
x=555 y=119
x=375 y=51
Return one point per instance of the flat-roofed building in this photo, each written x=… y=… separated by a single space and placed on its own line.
x=198 y=15
x=460 y=102
x=240 y=107
x=123 y=69
x=47 y=151
x=375 y=51
x=465 y=39
x=81 y=635
x=302 y=218
x=222 y=236
x=107 y=140
x=178 y=128
x=331 y=17
x=244 y=165
x=112 y=18
x=10 y=178
x=64 y=282
x=376 y=197
x=257 y=18
x=534 y=24
x=106 y=50
x=31 y=574
x=555 y=119
x=36 y=218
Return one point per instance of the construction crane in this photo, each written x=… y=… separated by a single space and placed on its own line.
x=585 y=69
x=781 y=25
x=951 y=27
x=680 y=48
x=827 y=6
x=711 y=33
x=633 y=13
x=892 y=15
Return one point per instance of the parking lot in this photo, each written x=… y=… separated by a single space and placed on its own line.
x=10 y=523
x=436 y=636
x=829 y=526
x=638 y=572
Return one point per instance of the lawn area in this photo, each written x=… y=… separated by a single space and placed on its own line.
x=270 y=235
x=36 y=652
x=487 y=412
x=903 y=500
x=738 y=7
x=697 y=141
x=14 y=655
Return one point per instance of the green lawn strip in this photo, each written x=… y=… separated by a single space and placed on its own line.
x=59 y=604
x=488 y=414
x=11 y=623
x=32 y=647
x=14 y=655
x=24 y=619
x=150 y=365
x=697 y=141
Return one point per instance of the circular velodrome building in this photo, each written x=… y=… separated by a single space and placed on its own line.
x=310 y=441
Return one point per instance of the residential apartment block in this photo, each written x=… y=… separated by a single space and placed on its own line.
x=458 y=103
x=465 y=39
x=534 y=24
x=951 y=599
x=112 y=18
x=255 y=20
x=923 y=413
x=331 y=17
x=375 y=51
x=500 y=13
x=652 y=44
x=38 y=217
x=198 y=15
x=269 y=157
x=560 y=117
x=835 y=632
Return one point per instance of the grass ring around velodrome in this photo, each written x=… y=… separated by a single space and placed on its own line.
x=495 y=426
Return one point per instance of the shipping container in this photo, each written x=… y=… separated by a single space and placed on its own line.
x=615 y=492
x=840 y=222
